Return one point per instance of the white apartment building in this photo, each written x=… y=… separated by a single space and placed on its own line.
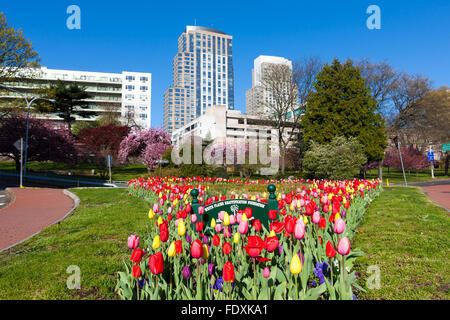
x=257 y=97
x=128 y=94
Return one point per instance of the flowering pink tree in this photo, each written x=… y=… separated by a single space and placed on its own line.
x=412 y=159
x=147 y=146
x=46 y=141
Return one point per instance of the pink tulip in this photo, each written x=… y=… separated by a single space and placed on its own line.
x=200 y=199
x=201 y=210
x=156 y=208
x=302 y=203
x=177 y=221
x=298 y=190
x=169 y=210
x=283 y=196
x=218 y=228
x=161 y=202
x=343 y=246
x=226 y=232
x=266 y=272
x=316 y=217
x=339 y=226
x=232 y=219
x=299 y=229
x=194 y=218
x=133 y=241
x=221 y=214
x=243 y=227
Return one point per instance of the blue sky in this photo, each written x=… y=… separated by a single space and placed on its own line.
x=142 y=35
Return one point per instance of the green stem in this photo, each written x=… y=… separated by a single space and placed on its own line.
x=296 y=288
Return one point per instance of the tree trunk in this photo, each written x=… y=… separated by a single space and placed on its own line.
x=447 y=162
x=380 y=170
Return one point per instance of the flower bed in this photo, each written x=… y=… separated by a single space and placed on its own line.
x=304 y=253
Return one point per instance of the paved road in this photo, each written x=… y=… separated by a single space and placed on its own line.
x=440 y=194
x=32 y=211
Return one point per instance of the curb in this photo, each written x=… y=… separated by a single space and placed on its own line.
x=11 y=197
x=76 y=202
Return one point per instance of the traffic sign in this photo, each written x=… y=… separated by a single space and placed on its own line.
x=430 y=156
x=446 y=147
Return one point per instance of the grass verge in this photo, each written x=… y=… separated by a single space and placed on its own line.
x=407 y=237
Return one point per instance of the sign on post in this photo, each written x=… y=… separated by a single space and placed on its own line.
x=446 y=147
x=430 y=156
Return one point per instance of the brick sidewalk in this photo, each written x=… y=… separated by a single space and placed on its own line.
x=439 y=194
x=32 y=211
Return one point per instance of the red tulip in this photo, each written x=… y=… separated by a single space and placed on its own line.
x=254 y=246
x=136 y=255
x=273 y=214
x=216 y=240
x=331 y=252
x=228 y=272
x=270 y=244
x=188 y=208
x=136 y=271
x=196 y=249
x=257 y=225
x=248 y=212
x=277 y=227
x=156 y=263
x=322 y=223
x=163 y=232
x=290 y=224
x=178 y=246
x=226 y=248
x=199 y=226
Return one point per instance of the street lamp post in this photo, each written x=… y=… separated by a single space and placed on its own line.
x=29 y=101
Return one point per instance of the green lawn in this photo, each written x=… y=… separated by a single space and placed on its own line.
x=94 y=238
x=407 y=237
x=403 y=233
x=396 y=176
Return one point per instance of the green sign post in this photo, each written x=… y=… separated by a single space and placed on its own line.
x=446 y=147
x=231 y=206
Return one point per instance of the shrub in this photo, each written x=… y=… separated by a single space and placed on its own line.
x=342 y=158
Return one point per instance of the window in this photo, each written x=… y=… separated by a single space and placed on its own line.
x=144 y=88
x=144 y=79
x=129 y=78
x=129 y=87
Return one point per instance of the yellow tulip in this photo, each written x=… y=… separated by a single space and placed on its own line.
x=205 y=253
x=253 y=198
x=156 y=243
x=160 y=220
x=151 y=214
x=296 y=266
x=226 y=219
x=337 y=216
x=213 y=223
x=181 y=228
x=305 y=219
x=171 y=252
x=236 y=238
x=272 y=234
x=299 y=205
x=279 y=197
x=291 y=207
x=244 y=217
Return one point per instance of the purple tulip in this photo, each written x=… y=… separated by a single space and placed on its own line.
x=186 y=272
x=188 y=238
x=211 y=268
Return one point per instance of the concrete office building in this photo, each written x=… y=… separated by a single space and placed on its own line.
x=219 y=122
x=203 y=76
x=127 y=94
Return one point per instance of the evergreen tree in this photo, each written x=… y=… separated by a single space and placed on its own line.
x=342 y=105
x=70 y=101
